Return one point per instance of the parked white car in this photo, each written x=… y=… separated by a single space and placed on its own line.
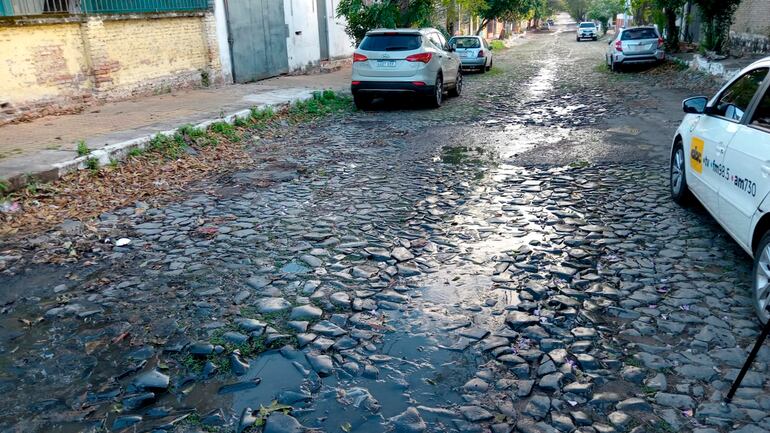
x=474 y=52
x=405 y=61
x=587 y=30
x=721 y=155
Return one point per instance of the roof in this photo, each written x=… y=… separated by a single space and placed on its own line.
x=402 y=31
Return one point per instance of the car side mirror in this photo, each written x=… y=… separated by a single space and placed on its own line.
x=695 y=105
x=450 y=49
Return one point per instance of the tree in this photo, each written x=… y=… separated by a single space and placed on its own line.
x=577 y=9
x=670 y=8
x=604 y=10
x=362 y=17
x=507 y=10
x=717 y=16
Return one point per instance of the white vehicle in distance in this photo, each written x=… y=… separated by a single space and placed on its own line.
x=587 y=30
x=405 y=61
x=721 y=155
x=474 y=52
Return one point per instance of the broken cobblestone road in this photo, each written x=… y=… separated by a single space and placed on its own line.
x=509 y=262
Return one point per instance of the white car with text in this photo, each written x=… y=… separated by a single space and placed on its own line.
x=721 y=155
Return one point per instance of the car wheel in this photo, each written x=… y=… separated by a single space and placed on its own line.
x=577 y=39
x=594 y=38
x=362 y=102
x=437 y=98
x=491 y=62
x=457 y=90
x=483 y=69
x=614 y=66
x=678 y=176
x=762 y=279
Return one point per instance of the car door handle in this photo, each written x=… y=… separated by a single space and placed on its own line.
x=720 y=148
x=765 y=170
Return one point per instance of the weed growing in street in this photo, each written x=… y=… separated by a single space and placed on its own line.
x=92 y=164
x=83 y=149
x=497 y=45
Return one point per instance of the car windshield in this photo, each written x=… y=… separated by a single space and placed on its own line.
x=397 y=42
x=465 y=42
x=584 y=25
x=636 y=34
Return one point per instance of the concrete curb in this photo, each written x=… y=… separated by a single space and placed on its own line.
x=700 y=63
x=119 y=151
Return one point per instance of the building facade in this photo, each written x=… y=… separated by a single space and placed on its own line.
x=750 y=32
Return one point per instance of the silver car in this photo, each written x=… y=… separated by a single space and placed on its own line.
x=633 y=46
x=474 y=52
x=405 y=61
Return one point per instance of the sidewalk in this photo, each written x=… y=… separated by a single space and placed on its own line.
x=722 y=69
x=46 y=147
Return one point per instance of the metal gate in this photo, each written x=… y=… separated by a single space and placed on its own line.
x=323 y=29
x=258 y=33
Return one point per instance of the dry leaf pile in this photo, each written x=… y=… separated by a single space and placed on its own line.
x=85 y=194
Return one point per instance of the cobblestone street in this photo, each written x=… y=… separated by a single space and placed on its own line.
x=511 y=261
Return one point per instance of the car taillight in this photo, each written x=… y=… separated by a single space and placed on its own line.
x=619 y=46
x=660 y=41
x=418 y=83
x=355 y=83
x=359 y=58
x=481 y=53
x=422 y=57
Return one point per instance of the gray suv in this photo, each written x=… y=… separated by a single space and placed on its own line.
x=633 y=46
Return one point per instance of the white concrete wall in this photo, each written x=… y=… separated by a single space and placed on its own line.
x=340 y=44
x=302 y=44
x=220 y=16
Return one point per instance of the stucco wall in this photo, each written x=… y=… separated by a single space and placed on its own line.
x=59 y=65
x=340 y=44
x=220 y=16
x=303 y=42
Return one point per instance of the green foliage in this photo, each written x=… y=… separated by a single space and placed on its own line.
x=227 y=130
x=4 y=187
x=497 y=45
x=717 y=16
x=577 y=9
x=321 y=104
x=362 y=16
x=92 y=164
x=605 y=10
x=82 y=148
x=135 y=152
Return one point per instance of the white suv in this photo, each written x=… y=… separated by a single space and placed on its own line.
x=721 y=155
x=405 y=61
x=587 y=30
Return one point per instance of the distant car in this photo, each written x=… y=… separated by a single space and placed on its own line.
x=587 y=30
x=405 y=61
x=721 y=155
x=550 y=22
x=635 y=45
x=474 y=52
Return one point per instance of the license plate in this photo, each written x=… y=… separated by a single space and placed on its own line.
x=386 y=63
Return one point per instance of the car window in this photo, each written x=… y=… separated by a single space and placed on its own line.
x=584 y=25
x=384 y=42
x=761 y=116
x=442 y=41
x=734 y=101
x=636 y=34
x=466 y=42
x=433 y=37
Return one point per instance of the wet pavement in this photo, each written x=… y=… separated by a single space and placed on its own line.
x=508 y=262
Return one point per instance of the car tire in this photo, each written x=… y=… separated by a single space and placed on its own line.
x=362 y=102
x=457 y=90
x=678 y=176
x=491 y=62
x=614 y=67
x=577 y=39
x=483 y=69
x=761 y=279
x=435 y=100
x=594 y=38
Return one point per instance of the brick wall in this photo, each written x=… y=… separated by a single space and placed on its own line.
x=750 y=32
x=61 y=66
x=752 y=16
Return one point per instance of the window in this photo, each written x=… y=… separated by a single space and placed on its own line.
x=466 y=42
x=395 y=42
x=434 y=38
x=442 y=40
x=587 y=25
x=762 y=113
x=637 y=34
x=735 y=99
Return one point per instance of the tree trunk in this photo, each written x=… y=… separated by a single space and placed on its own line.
x=481 y=26
x=672 y=37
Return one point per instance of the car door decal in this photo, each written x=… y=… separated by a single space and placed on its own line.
x=696 y=154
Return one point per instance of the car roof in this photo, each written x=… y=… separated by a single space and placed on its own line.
x=638 y=27
x=466 y=36
x=402 y=31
